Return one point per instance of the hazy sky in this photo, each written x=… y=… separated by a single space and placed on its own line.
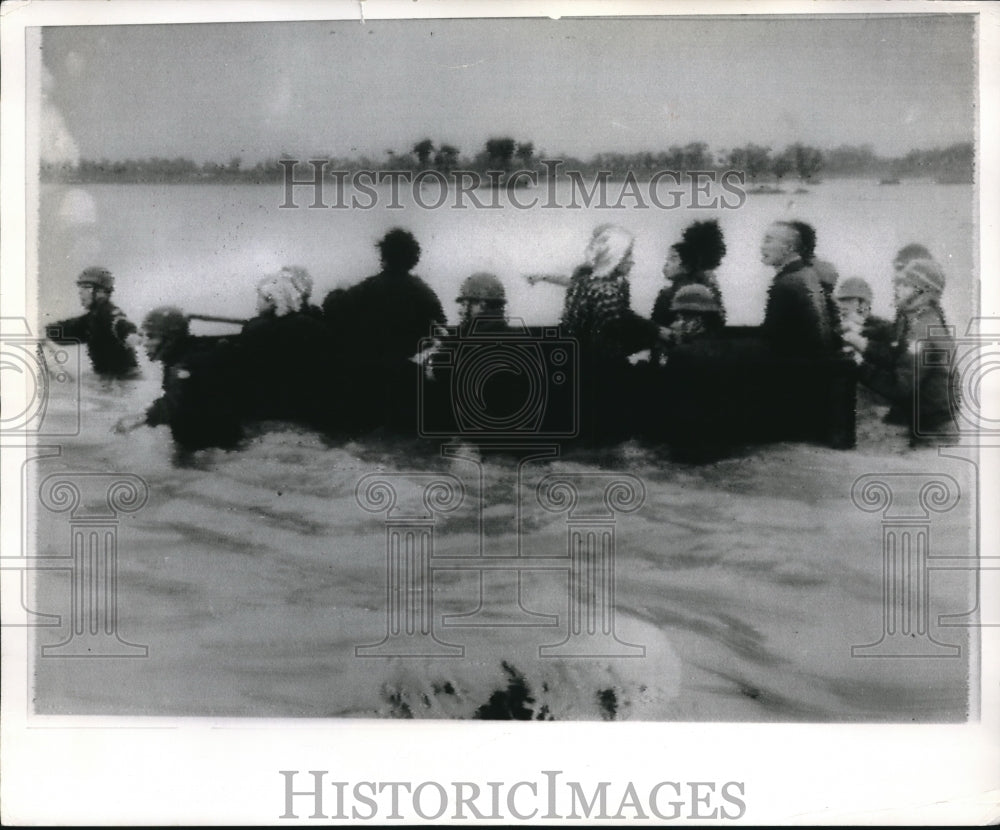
x=213 y=91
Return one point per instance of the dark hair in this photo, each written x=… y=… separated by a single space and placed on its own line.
x=805 y=240
x=399 y=250
x=910 y=252
x=701 y=247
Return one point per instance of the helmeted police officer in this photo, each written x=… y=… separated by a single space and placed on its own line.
x=483 y=301
x=199 y=403
x=103 y=327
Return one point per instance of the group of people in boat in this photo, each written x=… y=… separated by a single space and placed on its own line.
x=361 y=359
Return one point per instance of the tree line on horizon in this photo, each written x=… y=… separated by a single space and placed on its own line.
x=504 y=155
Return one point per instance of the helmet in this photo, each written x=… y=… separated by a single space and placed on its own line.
x=854 y=288
x=482 y=286
x=166 y=322
x=97 y=277
x=694 y=298
x=926 y=274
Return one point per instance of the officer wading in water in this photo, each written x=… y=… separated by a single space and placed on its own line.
x=200 y=402
x=103 y=327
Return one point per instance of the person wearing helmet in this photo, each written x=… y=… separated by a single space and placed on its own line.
x=921 y=392
x=199 y=402
x=103 y=327
x=483 y=299
x=697 y=314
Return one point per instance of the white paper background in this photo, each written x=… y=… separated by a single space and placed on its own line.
x=166 y=771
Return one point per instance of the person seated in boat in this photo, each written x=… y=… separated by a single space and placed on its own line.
x=302 y=283
x=199 y=403
x=483 y=301
x=692 y=261
x=796 y=318
x=103 y=327
x=286 y=353
x=860 y=330
x=696 y=315
x=597 y=314
x=921 y=393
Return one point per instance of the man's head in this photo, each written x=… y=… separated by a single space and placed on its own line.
x=785 y=242
x=907 y=254
x=482 y=295
x=399 y=251
x=779 y=244
x=95 y=286
x=163 y=328
x=854 y=298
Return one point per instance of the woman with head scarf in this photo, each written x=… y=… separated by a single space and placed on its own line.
x=597 y=314
x=287 y=352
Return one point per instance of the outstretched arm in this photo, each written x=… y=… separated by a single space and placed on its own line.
x=555 y=279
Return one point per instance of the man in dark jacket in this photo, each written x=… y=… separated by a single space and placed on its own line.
x=796 y=320
x=378 y=325
x=104 y=328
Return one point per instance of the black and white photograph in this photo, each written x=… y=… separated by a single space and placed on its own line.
x=622 y=370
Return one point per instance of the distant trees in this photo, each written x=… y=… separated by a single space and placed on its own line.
x=499 y=152
x=781 y=166
x=808 y=161
x=525 y=152
x=752 y=159
x=446 y=158
x=953 y=163
x=422 y=150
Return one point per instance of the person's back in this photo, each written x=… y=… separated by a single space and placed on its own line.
x=391 y=312
x=377 y=326
x=795 y=321
x=796 y=318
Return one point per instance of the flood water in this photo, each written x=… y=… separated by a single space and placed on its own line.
x=254 y=576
